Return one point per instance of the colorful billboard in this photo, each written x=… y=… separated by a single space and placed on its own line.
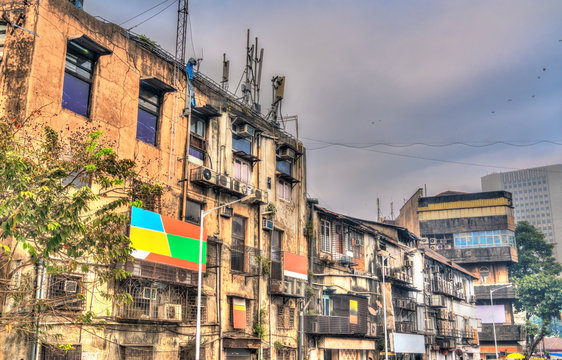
x=295 y=266
x=166 y=240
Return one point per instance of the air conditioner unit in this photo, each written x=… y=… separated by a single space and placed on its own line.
x=260 y=196
x=286 y=153
x=433 y=247
x=439 y=247
x=450 y=276
x=267 y=224
x=448 y=246
x=346 y=260
x=224 y=181
x=435 y=269
x=299 y=288
x=203 y=175
x=245 y=130
x=70 y=286
x=169 y=312
x=226 y=211
x=430 y=324
x=235 y=185
x=432 y=241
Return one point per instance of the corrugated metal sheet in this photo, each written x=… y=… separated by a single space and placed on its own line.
x=465 y=204
x=464 y=213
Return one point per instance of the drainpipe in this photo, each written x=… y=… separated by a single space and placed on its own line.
x=301 y=330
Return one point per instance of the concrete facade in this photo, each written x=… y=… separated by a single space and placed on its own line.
x=537 y=199
x=215 y=139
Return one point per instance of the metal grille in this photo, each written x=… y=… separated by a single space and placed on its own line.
x=64 y=291
x=51 y=352
x=286 y=354
x=191 y=309
x=136 y=353
x=153 y=300
x=151 y=270
x=188 y=352
x=285 y=317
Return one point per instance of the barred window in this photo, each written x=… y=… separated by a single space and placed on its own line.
x=52 y=352
x=66 y=292
x=136 y=352
x=237 y=248
x=285 y=317
x=187 y=352
x=326 y=244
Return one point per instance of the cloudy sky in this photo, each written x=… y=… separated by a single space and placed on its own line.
x=381 y=87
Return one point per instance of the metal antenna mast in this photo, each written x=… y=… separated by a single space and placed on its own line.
x=181 y=32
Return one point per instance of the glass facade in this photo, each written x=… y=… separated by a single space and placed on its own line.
x=479 y=239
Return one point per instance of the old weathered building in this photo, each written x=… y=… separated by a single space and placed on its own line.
x=476 y=230
x=85 y=74
x=363 y=272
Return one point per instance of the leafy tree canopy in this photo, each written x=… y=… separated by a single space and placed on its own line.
x=63 y=210
x=538 y=287
x=535 y=254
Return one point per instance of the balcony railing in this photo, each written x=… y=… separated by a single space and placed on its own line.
x=405 y=326
x=335 y=325
x=405 y=303
x=504 y=332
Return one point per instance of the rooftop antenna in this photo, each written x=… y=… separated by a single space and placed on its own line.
x=278 y=87
x=392 y=210
x=225 y=72
x=379 y=214
x=252 y=72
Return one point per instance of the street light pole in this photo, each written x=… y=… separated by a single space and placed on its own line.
x=493 y=320
x=198 y=328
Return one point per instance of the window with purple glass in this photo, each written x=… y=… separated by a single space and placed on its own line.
x=78 y=73
x=149 y=111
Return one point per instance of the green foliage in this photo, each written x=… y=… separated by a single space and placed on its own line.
x=271 y=208
x=309 y=292
x=259 y=326
x=537 y=285
x=535 y=254
x=64 y=202
x=278 y=345
x=265 y=264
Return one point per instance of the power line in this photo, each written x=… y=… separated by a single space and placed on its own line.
x=437 y=145
x=142 y=13
x=158 y=13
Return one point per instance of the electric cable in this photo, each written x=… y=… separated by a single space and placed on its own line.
x=151 y=17
x=142 y=13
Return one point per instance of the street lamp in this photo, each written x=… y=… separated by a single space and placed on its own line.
x=203 y=214
x=493 y=321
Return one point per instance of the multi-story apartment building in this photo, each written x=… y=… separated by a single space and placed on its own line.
x=364 y=272
x=84 y=73
x=537 y=199
x=476 y=231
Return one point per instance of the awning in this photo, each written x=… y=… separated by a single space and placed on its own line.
x=347 y=344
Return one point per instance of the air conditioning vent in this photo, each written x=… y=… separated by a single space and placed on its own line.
x=260 y=196
x=170 y=312
x=70 y=286
x=204 y=176
x=235 y=186
x=223 y=181
x=244 y=130
x=227 y=211
x=432 y=241
x=346 y=260
x=267 y=224
x=286 y=153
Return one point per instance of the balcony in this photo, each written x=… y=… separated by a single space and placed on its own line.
x=405 y=303
x=398 y=275
x=482 y=292
x=504 y=332
x=407 y=327
x=481 y=255
x=334 y=325
x=288 y=288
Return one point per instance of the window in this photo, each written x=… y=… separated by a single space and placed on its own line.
x=326 y=245
x=136 y=352
x=192 y=212
x=65 y=292
x=276 y=266
x=241 y=144
x=77 y=87
x=285 y=317
x=241 y=170
x=52 y=352
x=284 y=166
x=149 y=113
x=479 y=239
x=188 y=352
x=197 y=143
x=237 y=247
x=284 y=190
x=155 y=300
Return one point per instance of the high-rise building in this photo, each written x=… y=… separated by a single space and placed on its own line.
x=537 y=198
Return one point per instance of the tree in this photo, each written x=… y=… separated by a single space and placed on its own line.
x=535 y=254
x=63 y=211
x=538 y=287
